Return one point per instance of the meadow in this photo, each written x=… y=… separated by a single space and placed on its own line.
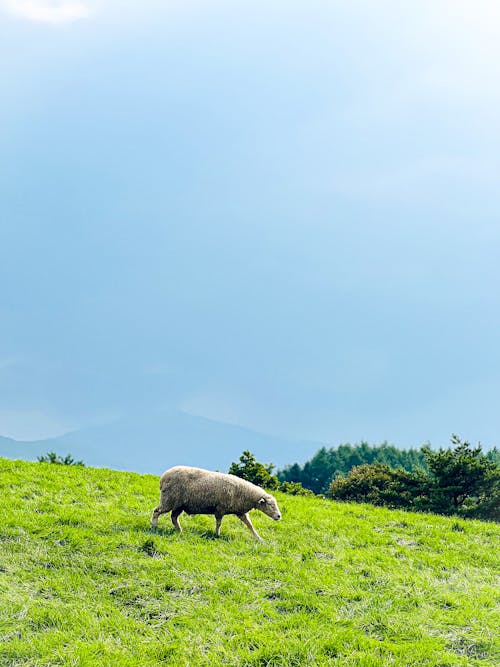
x=84 y=583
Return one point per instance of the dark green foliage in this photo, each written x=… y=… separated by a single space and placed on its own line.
x=295 y=489
x=261 y=474
x=464 y=481
x=460 y=481
x=258 y=473
x=52 y=457
x=326 y=464
x=379 y=484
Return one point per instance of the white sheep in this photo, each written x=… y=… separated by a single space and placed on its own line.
x=198 y=491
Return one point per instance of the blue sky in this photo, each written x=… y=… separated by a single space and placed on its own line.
x=283 y=215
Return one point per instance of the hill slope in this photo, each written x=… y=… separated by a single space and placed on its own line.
x=82 y=582
x=157 y=439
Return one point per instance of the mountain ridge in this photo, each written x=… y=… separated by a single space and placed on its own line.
x=154 y=440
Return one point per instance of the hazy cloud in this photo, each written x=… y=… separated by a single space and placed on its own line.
x=46 y=11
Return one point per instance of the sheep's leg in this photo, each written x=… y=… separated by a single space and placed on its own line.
x=175 y=514
x=157 y=512
x=246 y=520
x=218 y=521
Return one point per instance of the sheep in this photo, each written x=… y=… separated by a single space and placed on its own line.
x=198 y=491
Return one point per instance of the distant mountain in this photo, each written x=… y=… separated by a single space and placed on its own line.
x=19 y=449
x=153 y=441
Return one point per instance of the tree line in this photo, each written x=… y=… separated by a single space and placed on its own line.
x=317 y=473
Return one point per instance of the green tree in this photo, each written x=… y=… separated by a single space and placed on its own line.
x=258 y=473
x=261 y=474
x=464 y=480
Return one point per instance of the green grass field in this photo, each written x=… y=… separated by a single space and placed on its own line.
x=83 y=582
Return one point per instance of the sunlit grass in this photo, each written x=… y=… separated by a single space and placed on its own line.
x=83 y=582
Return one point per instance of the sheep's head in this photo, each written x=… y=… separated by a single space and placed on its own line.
x=269 y=506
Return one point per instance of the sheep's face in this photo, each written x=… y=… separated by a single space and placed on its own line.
x=269 y=506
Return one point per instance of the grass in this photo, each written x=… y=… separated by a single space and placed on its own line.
x=84 y=583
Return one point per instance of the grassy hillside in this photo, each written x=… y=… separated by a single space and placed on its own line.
x=83 y=582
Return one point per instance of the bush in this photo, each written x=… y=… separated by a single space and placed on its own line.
x=379 y=484
x=52 y=457
x=295 y=489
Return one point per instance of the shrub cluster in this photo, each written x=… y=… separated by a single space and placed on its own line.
x=379 y=484
x=461 y=481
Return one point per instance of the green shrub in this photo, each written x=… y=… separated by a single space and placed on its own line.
x=52 y=457
x=295 y=489
x=379 y=484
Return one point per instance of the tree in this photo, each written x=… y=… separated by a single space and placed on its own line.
x=52 y=457
x=258 y=473
x=464 y=480
x=261 y=474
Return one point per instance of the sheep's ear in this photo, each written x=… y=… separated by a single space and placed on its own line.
x=262 y=501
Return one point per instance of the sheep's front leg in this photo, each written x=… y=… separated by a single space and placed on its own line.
x=174 y=516
x=218 y=521
x=246 y=520
x=157 y=512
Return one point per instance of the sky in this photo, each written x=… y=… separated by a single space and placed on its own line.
x=278 y=214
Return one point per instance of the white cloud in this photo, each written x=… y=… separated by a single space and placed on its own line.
x=48 y=11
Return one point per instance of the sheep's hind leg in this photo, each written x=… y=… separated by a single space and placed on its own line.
x=175 y=520
x=246 y=520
